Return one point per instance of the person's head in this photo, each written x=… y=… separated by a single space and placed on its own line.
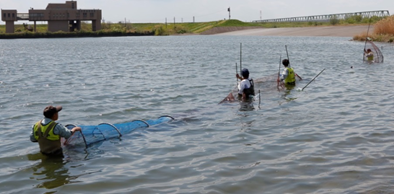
x=368 y=50
x=51 y=112
x=245 y=73
x=285 y=62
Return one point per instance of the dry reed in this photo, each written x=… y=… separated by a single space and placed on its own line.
x=385 y=26
x=383 y=31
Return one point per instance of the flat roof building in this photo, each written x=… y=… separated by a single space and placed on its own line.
x=60 y=17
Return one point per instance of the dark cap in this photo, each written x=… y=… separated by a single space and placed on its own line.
x=49 y=111
x=285 y=62
x=245 y=72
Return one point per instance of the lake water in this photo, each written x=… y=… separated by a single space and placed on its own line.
x=336 y=136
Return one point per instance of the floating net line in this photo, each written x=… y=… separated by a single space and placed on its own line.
x=90 y=134
x=377 y=54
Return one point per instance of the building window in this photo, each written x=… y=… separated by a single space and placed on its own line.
x=91 y=15
x=9 y=15
x=4 y=15
x=13 y=15
x=85 y=14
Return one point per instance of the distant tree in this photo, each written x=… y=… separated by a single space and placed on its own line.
x=334 y=20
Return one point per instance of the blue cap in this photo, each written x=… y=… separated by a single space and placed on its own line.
x=245 y=72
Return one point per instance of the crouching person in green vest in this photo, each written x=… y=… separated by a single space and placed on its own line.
x=288 y=75
x=48 y=133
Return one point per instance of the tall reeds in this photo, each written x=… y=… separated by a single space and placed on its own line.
x=385 y=26
x=383 y=31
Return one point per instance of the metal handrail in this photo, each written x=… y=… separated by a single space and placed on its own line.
x=327 y=17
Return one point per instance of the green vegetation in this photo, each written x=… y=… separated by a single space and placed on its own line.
x=159 y=29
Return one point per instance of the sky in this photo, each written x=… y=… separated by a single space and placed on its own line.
x=157 y=11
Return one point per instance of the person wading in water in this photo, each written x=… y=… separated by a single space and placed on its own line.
x=246 y=86
x=47 y=132
x=288 y=75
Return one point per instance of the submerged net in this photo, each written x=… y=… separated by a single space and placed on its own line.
x=377 y=54
x=264 y=84
x=90 y=134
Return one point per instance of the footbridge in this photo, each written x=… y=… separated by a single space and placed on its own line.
x=328 y=17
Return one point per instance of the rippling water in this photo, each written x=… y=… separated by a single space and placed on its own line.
x=334 y=137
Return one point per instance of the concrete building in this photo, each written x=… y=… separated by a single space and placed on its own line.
x=60 y=17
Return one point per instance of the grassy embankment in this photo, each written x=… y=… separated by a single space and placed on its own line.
x=131 y=29
x=135 y=29
x=383 y=31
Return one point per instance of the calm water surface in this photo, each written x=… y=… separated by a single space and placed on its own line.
x=336 y=136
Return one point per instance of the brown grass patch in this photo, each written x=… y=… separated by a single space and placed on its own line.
x=385 y=26
x=383 y=31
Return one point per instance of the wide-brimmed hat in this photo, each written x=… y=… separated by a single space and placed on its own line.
x=49 y=111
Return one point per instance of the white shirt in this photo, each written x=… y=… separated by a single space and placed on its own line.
x=284 y=74
x=244 y=84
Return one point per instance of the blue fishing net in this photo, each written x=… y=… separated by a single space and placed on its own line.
x=90 y=134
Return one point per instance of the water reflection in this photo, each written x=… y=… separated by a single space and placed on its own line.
x=287 y=92
x=246 y=105
x=51 y=171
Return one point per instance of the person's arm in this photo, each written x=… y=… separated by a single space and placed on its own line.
x=241 y=87
x=284 y=75
x=32 y=138
x=243 y=96
x=64 y=132
x=239 y=77
x=298 y=76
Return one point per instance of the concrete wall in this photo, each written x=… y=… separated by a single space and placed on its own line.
x=96 y=25
x=9 y=27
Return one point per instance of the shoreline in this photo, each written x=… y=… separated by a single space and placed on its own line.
x=337 y=31
x=72 y=35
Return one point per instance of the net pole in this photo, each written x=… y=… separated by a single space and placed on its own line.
x=240 y=57
x=366 y=38
x=312 y=80
x=236 y=72
x=287 y=53
x=280 y=61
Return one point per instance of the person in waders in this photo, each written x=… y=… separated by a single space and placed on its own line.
x=368 y=55
x=288 y=75
x=47 y=132
x=246 y=86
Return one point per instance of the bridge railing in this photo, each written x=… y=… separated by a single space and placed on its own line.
x=328 y=17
